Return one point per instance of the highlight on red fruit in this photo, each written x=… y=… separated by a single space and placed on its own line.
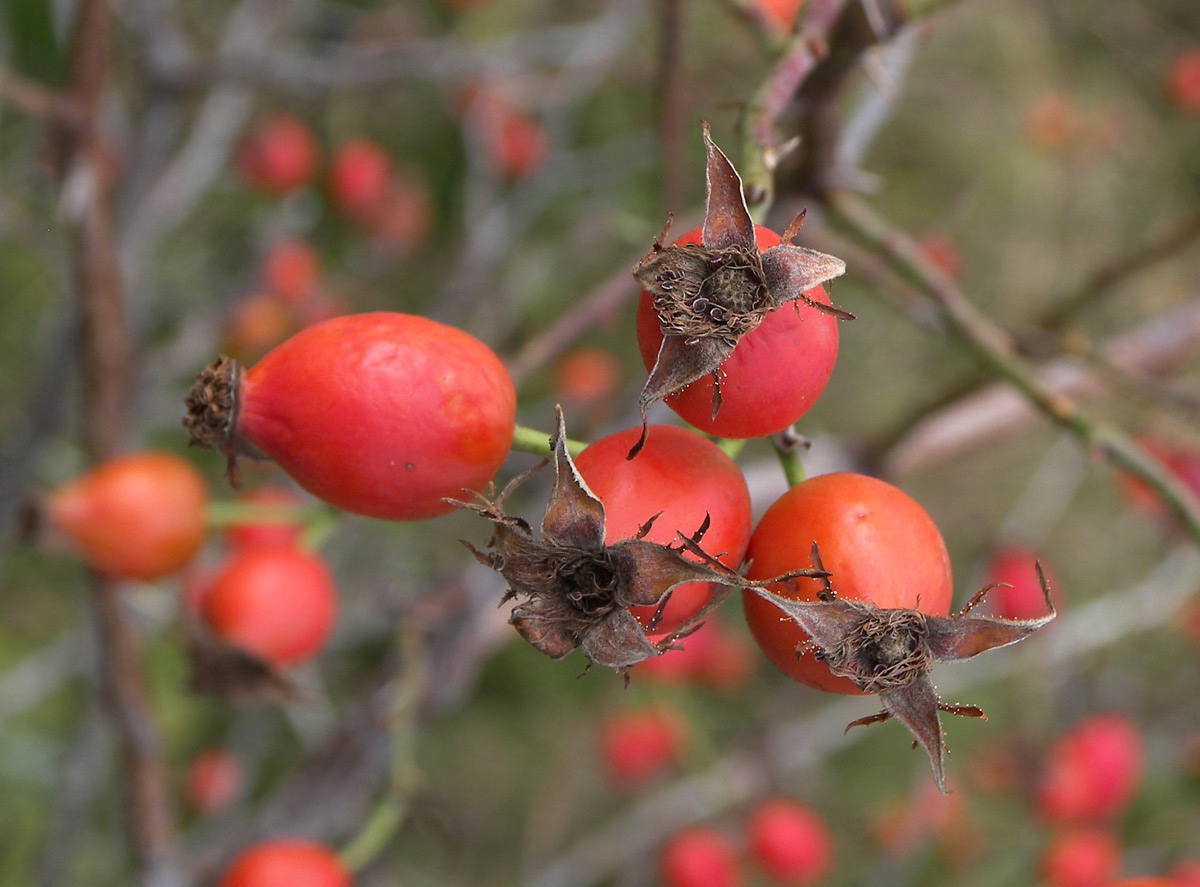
x=291 y=270
x=360 y=173
x=789 y=842
x=381 y=414
x=1183 y=80
x=280 y=155
x=773 y=377
x=877 y=542
x=286 y=863
x=684 y=479
x=1018 y=594
x=638 y=745
x=213 y=780
x=278 y=603
x=137 y=516
x=278 y=525
x=1092 y=771
x=1081 y=858
x=698 y=856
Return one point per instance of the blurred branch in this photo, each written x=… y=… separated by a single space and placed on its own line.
x=996 y=350
x=669 y=102
x=996 y=410
x=802 y=744
x=37 y=101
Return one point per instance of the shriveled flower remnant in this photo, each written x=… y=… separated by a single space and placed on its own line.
x=890 y=652
x=573 y=591
x=708 y=296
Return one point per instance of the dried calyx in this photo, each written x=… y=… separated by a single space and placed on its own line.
x=573 y=591
x=211 y=419
x=890 y=652
x=708 y=295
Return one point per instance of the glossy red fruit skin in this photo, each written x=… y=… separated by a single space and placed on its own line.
x=1014 y=566
x=286 y=863
x=879 y=544
x=1081 y=858
x=137 y=516
x=381 y=414
x=639 y=744
x=213 y=780
x=698 y=857
x=790 y=842
x=360 y=172
x=1092 y=771
x=267 y=533
x=683 y=476
x=773 y=376
x=280 y=155
x=277 y=603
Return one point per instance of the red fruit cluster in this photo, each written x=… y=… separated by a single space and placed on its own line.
x=784 y=840
x=138 y=516
x=1091 y=772
x=638 y=745
x=286 y=863
x=514 y=142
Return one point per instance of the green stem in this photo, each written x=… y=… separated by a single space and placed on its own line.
x=227 y=512
x=730 y=446
x=377 y=832
x=531 y=440
x=789 y=460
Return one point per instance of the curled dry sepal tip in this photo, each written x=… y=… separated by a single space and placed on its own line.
x=709 y=295
x=572 y=590
x=890 y=651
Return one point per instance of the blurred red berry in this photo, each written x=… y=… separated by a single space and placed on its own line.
x=137 y=516
x=280 y=155
x=1020 y=594
x=291 y=270
x=282 y=528
x=780 y=13
x=277 y=603
x=402 y=220
x=286 y=863
x=790 y=842
x=638 y=745
x=1081 y=858
x=1092 y=771
x=908 y=823
x=1183 y=80
x=1050 y=122
x=586 y=377
x=360 y=173
x=698 y=857
x=1185 y=873
x=941 y=250
x=213 y=780
x=256 y=324
x=518 y=145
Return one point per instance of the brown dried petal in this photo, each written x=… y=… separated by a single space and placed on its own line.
x=618 y=642
x=828 y=623
x=790 y=270
x=727 y=222
x=916 y=707
x=680 y=362
x=574 y=515
x=649 y=570
x=962 y=636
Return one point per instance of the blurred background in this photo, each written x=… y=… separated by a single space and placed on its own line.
x=499 y=165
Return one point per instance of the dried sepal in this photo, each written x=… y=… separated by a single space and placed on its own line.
x=890 y=652
x=572 y=590
x=707 y=296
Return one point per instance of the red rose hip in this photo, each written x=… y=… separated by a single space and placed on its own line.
x=380 y=414
x=138 y=516
x=286 y=863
